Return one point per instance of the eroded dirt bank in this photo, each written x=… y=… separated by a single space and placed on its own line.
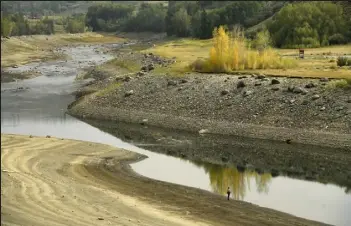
x=92 y=184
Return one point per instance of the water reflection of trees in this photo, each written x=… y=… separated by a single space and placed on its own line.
x=239 y=182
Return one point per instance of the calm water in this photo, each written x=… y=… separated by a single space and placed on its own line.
x=40 y=111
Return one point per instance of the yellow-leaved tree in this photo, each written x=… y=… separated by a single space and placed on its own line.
x=232 y=51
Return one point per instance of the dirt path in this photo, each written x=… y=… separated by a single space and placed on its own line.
x=49 y=181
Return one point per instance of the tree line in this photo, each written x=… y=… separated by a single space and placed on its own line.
x=17 y=24
x=294 y=25
x=297 y=24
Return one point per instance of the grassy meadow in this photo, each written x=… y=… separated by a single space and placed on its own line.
x=318 y=62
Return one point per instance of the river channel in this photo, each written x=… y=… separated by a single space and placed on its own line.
x=39 y=109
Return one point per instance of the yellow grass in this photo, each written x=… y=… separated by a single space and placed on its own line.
x=186 y=51
x=25 y=49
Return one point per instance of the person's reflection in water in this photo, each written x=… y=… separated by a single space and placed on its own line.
x=228 y=192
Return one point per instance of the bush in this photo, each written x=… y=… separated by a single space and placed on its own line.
x=343 y=61
x=200 y=65
x=337 y=39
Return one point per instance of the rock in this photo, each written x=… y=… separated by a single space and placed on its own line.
x=292 y=101
x=304 y=92
x=127 y=79
x=275 y=88
x=30 y=136
x=340 y=108
x=322 y=108
x=247 y=93
x=143 y=68
x=183 y=81
x=315 y=97
x=224 y=92
x=141 y=73
x=288 y=141
x=240 y=84
x=129 y=93
x=14 y=66
x=144 y=121
x=202 y=131
x=100 y=218
x=241 y=77
x=171 y=83
x=304 y=102
x=290 y=89
x=324 y=80
x=150 y=67
x=275 y=81
x=348 y=101
x=48 y=136
x=258 y=84
x=260 y=77
x=297 y=90
x=310 y=85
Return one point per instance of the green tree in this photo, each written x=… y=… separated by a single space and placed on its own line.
x=308 y=24
x=181 y=22
x=150 y=17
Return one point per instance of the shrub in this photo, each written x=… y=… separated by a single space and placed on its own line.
x=337 y=39
x=343 y=61
x=200 y=65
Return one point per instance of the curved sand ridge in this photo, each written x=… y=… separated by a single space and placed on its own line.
x=49 y=181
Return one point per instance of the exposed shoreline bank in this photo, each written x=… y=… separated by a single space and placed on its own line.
x=120 y=195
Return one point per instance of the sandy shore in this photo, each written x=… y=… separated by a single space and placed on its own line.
x=49 y=181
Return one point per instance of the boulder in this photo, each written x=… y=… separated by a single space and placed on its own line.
x=224 y=92
x=171 y=83
x=324 y=80
x=315 y=97
x=203 y=131
x=241 y=84
x=129 y=93
x=247 y=93
x=310 y=85
x=275 y=81
x=150 y=67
